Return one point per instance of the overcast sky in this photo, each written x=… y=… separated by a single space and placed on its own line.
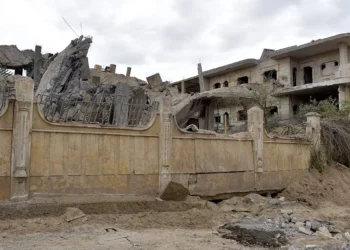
x=171 y=36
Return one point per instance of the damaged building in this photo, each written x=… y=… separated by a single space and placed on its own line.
x=316 y=70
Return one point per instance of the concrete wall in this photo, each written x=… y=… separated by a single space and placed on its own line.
x=255 y=74
x=90 y=159
x=6 y=118
x=87 y=159
x=315 y=62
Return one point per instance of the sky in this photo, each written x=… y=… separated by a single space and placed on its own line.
x=171 y=36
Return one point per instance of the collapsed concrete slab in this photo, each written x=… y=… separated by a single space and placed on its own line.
x=64 y=72
x=174 y=192
x=251 y=232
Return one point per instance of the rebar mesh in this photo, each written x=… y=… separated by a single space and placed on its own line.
x=108 y=110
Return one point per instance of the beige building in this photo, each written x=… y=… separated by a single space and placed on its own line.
x=317 y=70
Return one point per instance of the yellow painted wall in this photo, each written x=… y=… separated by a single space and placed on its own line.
x=71 y=159
x=5 y=150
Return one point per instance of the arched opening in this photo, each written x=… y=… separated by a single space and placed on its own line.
x=225 y=84
x=217 y=85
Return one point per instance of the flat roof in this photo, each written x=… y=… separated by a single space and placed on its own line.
x=308 y=88
x=297 y=51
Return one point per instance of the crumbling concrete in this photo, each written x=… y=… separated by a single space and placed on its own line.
x=154 y=80
x=251 y=232
x=64 y=72
x=74 y=213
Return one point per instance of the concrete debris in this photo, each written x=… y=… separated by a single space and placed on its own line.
x=299 y=224
x=64 y=72
x=192 y=128
x=74 y=213
x=310 y=246
x=174 y=192
x=316 y=224
x=282 y=199
x=195 y=200
x=250 y=232
x=323 y=235
x=12 y=57
x=308 y=225
x=325 y=231
x=211 y=205
x=304 y=231
x=338 y=236
x=154 y=80
x=287 y=211
x=345 y=246
x=347 y=236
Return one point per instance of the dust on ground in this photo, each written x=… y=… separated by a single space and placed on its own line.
x=315 y=188
x=193 y=224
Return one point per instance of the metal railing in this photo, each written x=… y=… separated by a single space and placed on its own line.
x=107 y=110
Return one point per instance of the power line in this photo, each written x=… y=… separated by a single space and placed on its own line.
x=70 y=27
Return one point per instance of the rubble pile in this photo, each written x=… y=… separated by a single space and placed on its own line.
x=273 y=230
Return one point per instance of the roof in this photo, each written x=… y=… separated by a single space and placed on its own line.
x=305 y=50
x=312 y=48
x=12 y=57
x=221 y=70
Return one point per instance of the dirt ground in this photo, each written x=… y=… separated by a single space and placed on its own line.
x=146 y=223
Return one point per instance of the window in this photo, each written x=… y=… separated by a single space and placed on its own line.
x=227 y=117
x=336 y=63
x=217 y=118
x=273 y=110
x=225 y=84
x=323 y=66
x=242 y=80
x=294 y=70
x=242 y=115
x=308 y=75
x=270 y=74
x=217 y=85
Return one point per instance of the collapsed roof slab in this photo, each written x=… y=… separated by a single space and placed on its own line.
x=12 y=57
x=309 y=88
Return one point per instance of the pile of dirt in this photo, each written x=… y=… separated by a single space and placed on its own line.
x=332 y=185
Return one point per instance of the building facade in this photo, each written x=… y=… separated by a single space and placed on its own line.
x=317 y=70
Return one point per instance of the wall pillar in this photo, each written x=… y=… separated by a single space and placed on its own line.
x=286 y=110
x=256 y=130
x=183 y=90
x=21 y=137
x=313 y=129
x=203 y=82
x=165 y=143
x=344 y=67
x=343 y=94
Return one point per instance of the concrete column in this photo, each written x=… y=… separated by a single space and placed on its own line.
x=343 y=54
x=112 y=68
x=128 y=72
x=343 y=94
x=183 y=90
x=38 y=62
x=202 y=80
x=165 y=143
x=21 y=137
x=256 y=130
x=313 y=129
x=286 y=109
x=344 y=67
